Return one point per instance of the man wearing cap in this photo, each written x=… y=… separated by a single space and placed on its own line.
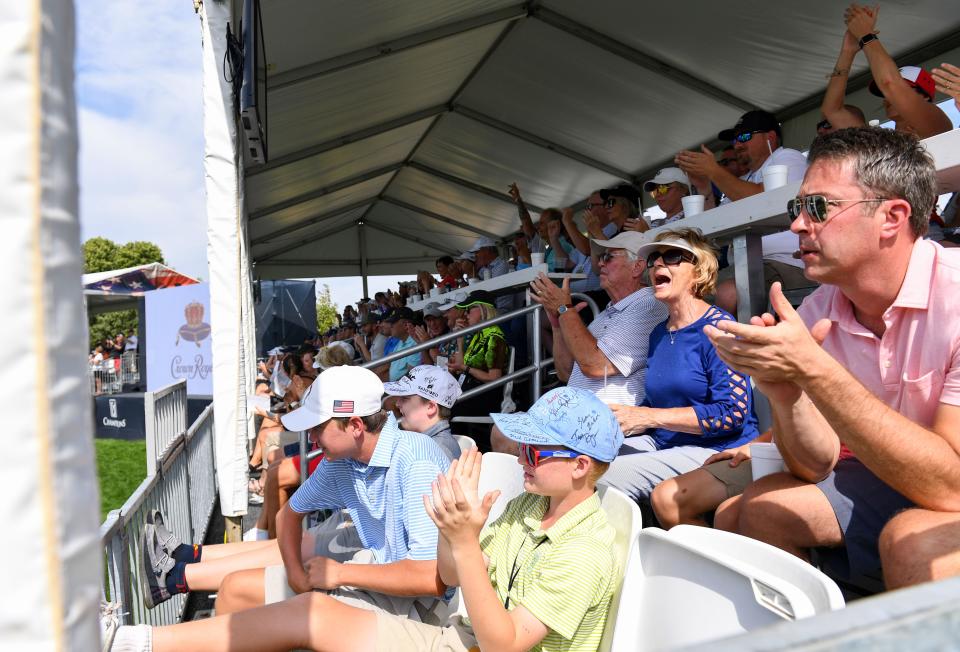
x=608 y=359
x=541 y=576
x=539 y=235
x=668 y=188
x=490 y=265
x=757 y=137
x=907 y=93
x=372 y=470
x=426 y=394
x=401 y=325
x=582 y=262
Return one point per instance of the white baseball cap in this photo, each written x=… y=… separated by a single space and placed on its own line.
x=672 y=243
x=665 y=176
x=481 y=243
x=632 y=241
x=429 y=381
x=337 y=392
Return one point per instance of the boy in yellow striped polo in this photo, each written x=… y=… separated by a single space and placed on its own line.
x=541 y=576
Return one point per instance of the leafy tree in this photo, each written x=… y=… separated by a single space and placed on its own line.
x=103 y=254
x=326 y=310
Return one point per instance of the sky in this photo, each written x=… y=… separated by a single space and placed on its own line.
x=139 y=95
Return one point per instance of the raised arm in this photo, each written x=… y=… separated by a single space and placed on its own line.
x=578 y=240
x=526 y=223
x=833 y=108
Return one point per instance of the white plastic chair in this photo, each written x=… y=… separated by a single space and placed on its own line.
x=687 y=588
x=624 y=515
x=465 y=443
x=507 y=406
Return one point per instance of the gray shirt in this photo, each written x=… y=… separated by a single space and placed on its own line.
x=440 y=434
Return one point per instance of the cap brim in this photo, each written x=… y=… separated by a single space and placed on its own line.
x=522 y=429
x=396 y=389
x=303 y=419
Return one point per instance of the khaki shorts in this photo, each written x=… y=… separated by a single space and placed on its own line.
x=405 y=635
x=735 y=479
x=279 y=439
x=337 y=538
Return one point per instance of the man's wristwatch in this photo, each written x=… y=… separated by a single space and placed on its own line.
x=867 y=38
x=565 y=307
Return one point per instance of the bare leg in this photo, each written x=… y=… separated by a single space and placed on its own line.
x=790 y=514
x=285 y=480
x=221 y=550
x=312 y=620
x=920 y=546
x=685 y=498
x=727 y=516
x=241 y=591
x=207 y=575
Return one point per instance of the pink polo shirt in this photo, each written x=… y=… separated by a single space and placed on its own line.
x=915 y=366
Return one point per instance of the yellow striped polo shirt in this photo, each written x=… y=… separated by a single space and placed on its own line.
x=565 y=575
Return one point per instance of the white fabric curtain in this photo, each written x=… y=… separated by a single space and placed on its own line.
x=230 y=305
x=50 y=543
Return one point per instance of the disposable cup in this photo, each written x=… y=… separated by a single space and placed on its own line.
x=536 y=259
x=434 y=292
x=765 y=459
x=486 y=274
x=692 y=205
x=472 y=281
x=774 y=176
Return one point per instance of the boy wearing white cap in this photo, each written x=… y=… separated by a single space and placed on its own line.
x=372 y=470
x=540 y=577
x=425 y=395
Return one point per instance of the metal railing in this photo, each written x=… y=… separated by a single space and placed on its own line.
x=165 y=417
x=184 y=489
x=110 y=376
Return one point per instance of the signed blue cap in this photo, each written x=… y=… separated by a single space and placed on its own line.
x=567 y=417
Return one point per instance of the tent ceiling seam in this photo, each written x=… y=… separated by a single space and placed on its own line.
x=411 y=238
x=310 y=221
x=297 y=245
x=438 y=217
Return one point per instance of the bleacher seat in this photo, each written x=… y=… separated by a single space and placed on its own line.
x=693 y=585
x=624 y=515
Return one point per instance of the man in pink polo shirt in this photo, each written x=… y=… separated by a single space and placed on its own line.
x=868 y=422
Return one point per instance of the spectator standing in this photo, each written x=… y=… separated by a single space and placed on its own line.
x=132 y=341
x=540 y=235
x=863 y=382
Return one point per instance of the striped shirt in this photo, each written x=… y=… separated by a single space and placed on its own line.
x=384 y=496
x=623 y=332
x=565 y=575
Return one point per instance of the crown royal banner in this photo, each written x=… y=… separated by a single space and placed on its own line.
x=179 y=339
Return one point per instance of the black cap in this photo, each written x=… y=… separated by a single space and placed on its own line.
x=370 y=318
x=752 y=121
x=625 y=190
x=400 y=313
x=477 y=296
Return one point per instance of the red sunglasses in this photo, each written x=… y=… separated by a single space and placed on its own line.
x=532 y=455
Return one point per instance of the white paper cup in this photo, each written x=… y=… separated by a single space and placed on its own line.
x=536 y=259
x=692 y=205
x=434 y=292
x=774 y=176
x=765 y=459
x=485 y=274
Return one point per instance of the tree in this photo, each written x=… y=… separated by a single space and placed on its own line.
x=326 y=310
x=103 y=254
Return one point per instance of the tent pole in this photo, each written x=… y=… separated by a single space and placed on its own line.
x=361 y=233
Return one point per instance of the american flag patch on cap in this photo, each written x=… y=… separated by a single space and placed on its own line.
x=342 y=407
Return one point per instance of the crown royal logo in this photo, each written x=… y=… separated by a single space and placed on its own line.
x=195 y=330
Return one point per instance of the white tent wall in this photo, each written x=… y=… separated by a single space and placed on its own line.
x=234 y=360
x=50 y=547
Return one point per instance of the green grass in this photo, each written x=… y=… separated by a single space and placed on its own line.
x=121 y=467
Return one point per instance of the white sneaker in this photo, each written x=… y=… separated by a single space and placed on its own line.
x=134 y=638
x=110 y=621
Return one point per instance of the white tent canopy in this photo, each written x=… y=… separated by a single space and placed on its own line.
x=394 y=127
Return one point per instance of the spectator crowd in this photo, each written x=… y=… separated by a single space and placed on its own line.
x=655 y=395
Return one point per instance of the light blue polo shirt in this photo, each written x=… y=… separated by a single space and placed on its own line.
x=398 y=368
x=384 y=497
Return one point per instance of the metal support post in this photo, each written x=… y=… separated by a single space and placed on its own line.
x=535 y=361
x=748 y=268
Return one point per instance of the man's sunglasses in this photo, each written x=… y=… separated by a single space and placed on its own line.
x=817 y=206
x=660 y=190
x=532 y=455
x=746 y=136
x=671 y=257
x=608 y=255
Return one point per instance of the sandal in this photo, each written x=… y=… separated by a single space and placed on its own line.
x=254 y=486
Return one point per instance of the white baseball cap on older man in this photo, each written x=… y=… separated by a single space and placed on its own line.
x=629 y=240
x=337 y=392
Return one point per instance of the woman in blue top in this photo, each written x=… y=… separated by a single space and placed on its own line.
x=695 y=404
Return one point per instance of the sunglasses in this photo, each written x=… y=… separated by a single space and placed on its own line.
x=660 y=190
x=823 y=124
x=532 y=455
x=611 y=202
x=745 y=137
x=591 y=207
x=608 y=255
x=817 y=206
x=671 y=257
